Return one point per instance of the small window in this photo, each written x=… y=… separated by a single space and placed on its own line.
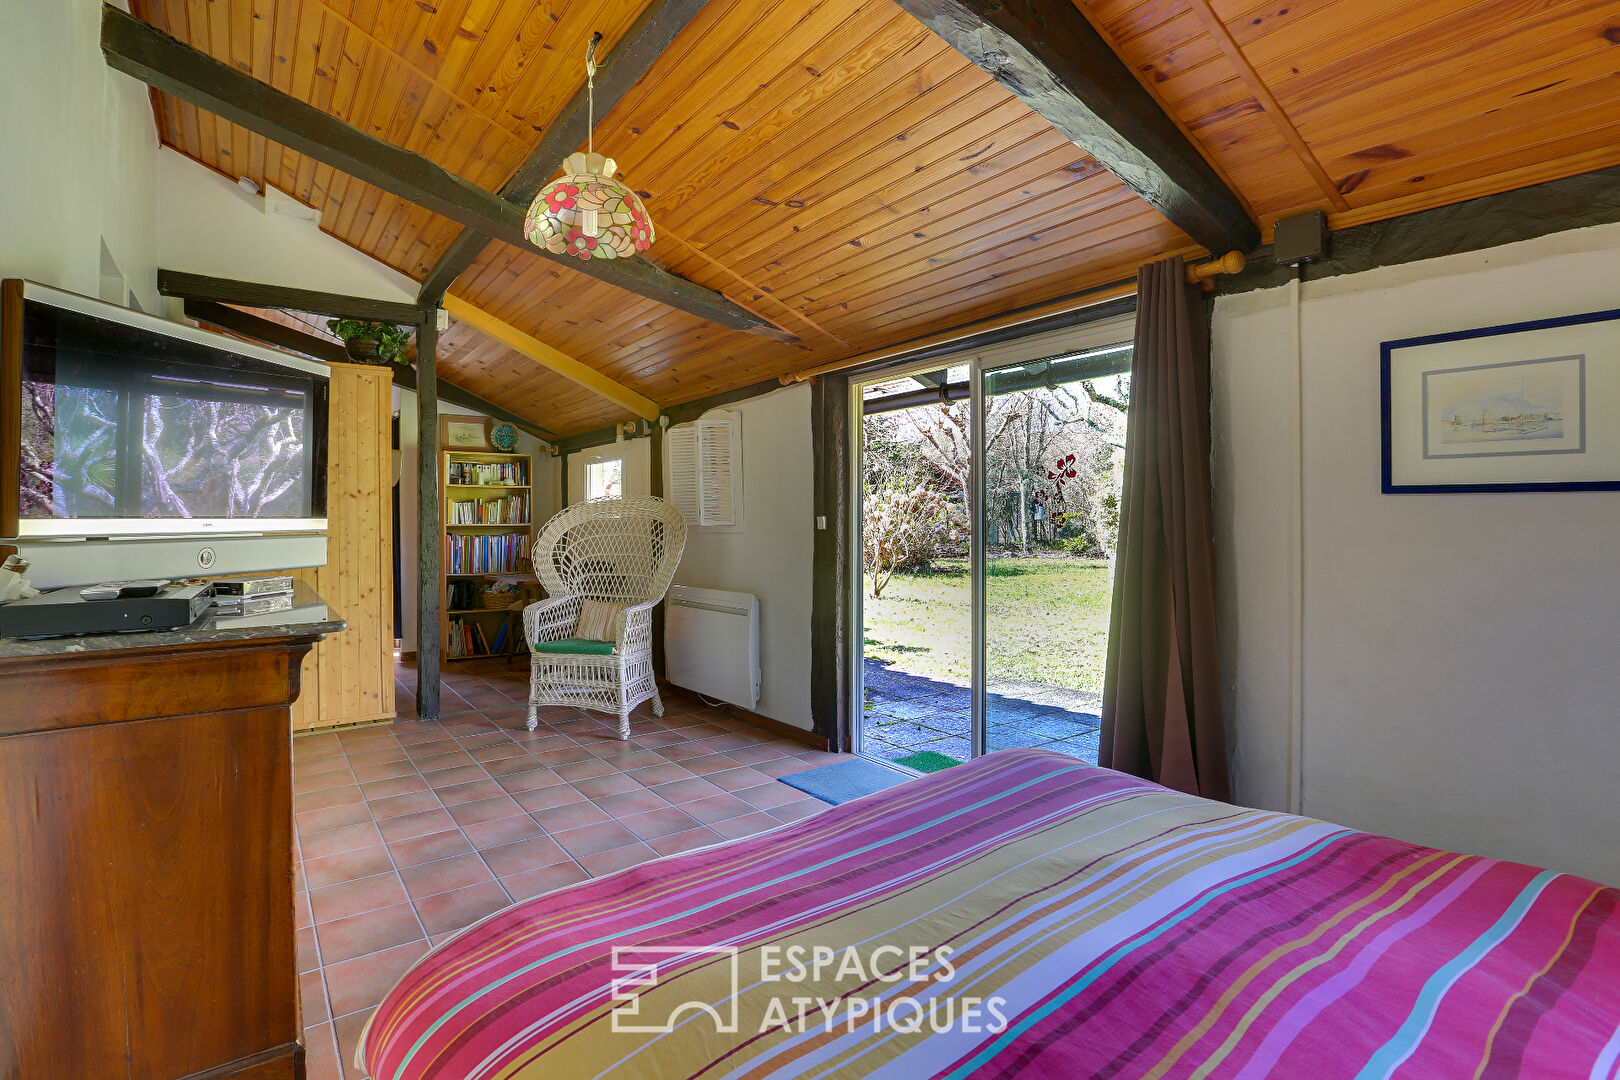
x=604 y=479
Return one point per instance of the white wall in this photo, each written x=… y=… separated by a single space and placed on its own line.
x=1460 y=671
x=80 y=159
x=770 y=555
x=208 y=225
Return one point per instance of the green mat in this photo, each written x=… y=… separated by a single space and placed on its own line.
x=927 y=761
x=573 y=646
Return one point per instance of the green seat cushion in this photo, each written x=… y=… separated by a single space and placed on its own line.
x=574 y=646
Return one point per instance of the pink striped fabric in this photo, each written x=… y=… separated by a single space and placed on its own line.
x=1026 y=915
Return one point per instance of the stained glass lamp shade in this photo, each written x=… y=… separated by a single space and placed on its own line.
x=587 y=213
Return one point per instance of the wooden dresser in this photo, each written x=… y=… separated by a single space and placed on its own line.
x=146 y=837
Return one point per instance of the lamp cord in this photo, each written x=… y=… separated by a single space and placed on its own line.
x=590 y=92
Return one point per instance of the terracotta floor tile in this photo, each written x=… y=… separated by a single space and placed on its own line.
x=734 y=828
x=352 y=985
x=327 y=797
x=590 y=768
x=320 y=1054
x=569 y=755
x=590 y=839
x=378 y=753
x=333 y=841
x=419 y=824
x=506 y=830
x=675 y=843
x=606 y=862
x=530 y=854
x=347 y=866
x=333 y=817
x=532 y=883
x=412 y=802
x=439 y=779
x=572 y=816
x=682 y=752
x=548 y=797
x=770 y=794
x=787 y=766
x=522 y=762
x=665 y=772
x=640 y=801
x=449 y=911
x=717 y=808
x=738 y=778
x=383 y=770
x=368 y=932
x=471 y=813
x=308 y=780
x=748 y=755
x=483 y=788
x=456 y=872
x=312 y=995
x=429 y=848
x=399 y=785
x=657 y=823
x=685 y=791
x=710 y=763
x=348 y=1030
x=309 y=958
x=797 y=811
x=613 y=783
x=353 y=897
x=499 y=751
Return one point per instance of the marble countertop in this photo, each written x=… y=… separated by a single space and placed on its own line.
x=309 y=617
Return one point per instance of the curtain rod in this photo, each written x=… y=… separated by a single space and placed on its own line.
x=1202 y=274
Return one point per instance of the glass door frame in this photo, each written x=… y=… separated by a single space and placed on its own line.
x=980 y=363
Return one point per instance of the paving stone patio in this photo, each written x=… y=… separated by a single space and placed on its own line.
x=908 y=713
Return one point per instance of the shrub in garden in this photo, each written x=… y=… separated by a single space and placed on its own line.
x=902 y=529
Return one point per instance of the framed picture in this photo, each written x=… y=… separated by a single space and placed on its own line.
x=464 y=433
x=1531 y=406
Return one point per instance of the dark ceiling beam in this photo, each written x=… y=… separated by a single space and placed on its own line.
x=660 y=23
x=330 y=352
x=218 y=290
x=141 y=50
x=1050 y=56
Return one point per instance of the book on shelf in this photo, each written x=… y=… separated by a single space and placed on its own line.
x=466 y=639
x=506 y=510
x=488 y=473
x=494 y=553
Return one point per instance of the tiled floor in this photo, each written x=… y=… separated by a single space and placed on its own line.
x=409 y=832
x=907 y=713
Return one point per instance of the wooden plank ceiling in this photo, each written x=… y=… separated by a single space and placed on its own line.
x=838 y=169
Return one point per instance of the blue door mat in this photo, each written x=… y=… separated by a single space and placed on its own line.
x=845 y=780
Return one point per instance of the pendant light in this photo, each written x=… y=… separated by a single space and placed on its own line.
x=586 y=212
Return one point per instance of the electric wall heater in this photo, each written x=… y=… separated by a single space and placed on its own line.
x=711 y=643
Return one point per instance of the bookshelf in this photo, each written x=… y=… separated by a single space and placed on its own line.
x=487 y=507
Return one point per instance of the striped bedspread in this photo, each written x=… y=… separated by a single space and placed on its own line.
x=1028 y=915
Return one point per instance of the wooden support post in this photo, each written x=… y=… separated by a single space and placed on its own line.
x=429 y=542
x=829 y=625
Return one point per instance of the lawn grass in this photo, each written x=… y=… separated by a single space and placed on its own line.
x=1046 y=621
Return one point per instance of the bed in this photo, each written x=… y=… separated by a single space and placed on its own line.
x=1027 y=915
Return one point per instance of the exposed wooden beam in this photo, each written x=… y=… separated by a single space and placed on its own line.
x=147 y=53
x=659 y=24
x=546 y=356
x=1046 y=53
x=255 y=294
x=429 y=536
x=285 y=337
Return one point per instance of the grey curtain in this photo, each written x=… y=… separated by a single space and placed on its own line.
x=1161 y=693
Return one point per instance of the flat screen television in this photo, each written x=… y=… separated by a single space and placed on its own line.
x=117 y=425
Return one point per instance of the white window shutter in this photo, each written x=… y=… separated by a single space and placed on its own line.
x=719 y=468
x=683 y=472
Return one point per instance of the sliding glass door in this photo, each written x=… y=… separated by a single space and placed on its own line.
x=988 y=499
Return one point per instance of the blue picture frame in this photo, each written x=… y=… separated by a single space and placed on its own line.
x=1387 y=349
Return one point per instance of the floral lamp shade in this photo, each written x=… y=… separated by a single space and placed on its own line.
x=586 y=212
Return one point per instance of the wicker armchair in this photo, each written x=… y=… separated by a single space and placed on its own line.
x=620 y=551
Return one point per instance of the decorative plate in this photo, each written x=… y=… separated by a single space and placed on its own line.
x=504 y=436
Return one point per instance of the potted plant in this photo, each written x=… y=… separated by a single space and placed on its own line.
x=371 y=342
